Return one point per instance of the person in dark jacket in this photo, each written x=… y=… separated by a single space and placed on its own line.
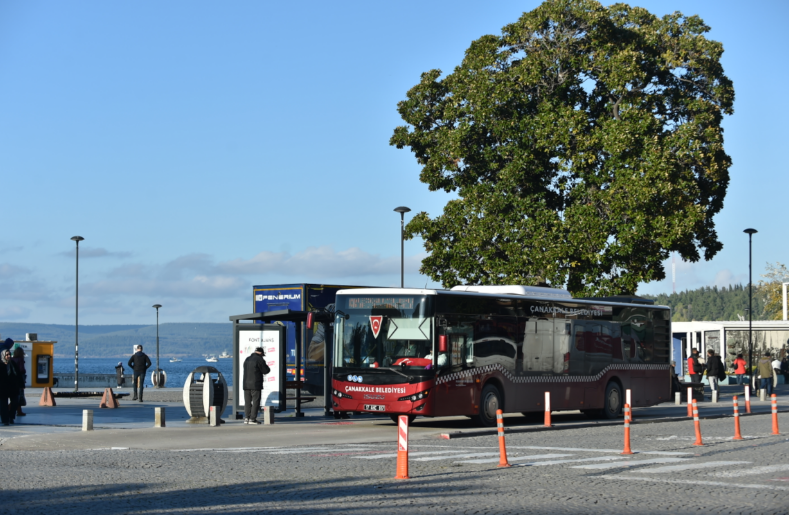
x=140 y=363
x=254 y=369
x=714 y=367
x=695 y=368
x=11 y=397
x=4 y=388
x=19 y=362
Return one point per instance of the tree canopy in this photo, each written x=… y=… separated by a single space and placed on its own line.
x=584 y=144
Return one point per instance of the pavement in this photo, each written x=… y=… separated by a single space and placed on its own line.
x=319 y=465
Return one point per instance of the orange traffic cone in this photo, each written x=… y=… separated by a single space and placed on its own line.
x=774 y=402
x=47 y=398
x=737 y=435
x=696 y=424
x=108 y=400
x=627 y=430
x=502 y=447
x=690 y=402
x=547 y=409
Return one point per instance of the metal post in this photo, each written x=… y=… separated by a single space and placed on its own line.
x=402 y=210
x=750 y=233
x=77 y=239
x=156 y=377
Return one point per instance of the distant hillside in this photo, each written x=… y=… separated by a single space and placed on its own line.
x=712 y=303
x=115 y=341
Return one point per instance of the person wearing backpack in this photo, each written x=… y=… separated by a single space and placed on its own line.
x=715 y=370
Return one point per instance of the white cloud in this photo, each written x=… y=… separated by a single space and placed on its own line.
x=8 y=270
x=13 y=313
x=95 y=252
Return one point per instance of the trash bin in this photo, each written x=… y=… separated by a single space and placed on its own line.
x=201 y=391
x=120 y=377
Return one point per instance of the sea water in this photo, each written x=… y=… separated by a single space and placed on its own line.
x=176 y=372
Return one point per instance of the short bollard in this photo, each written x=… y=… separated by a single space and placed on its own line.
x=737 y=435
x=213 y=418
x=158 y=417
x=762 y=394
x=715 y=396
x=690 y=402
x=747 y=399
x=774 y=402
x=547 y=409
x=268 y=416
x=502 y=447
x=402 y=447
x=678 y=399
x=87 y=420
x=627 y=430
x=696 y=424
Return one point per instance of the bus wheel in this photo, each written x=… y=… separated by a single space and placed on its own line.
x=396 y=418
x=491 y=401
x=612 y=407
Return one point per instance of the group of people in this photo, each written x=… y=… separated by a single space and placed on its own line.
x=713 y=366
x=12 y=385
x=715 y=369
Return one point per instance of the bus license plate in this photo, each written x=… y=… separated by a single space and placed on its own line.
x=374 y=407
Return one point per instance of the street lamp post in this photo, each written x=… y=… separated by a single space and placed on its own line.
x=77 y=239
x=158 y=377
x=402 y=210
x=750 y=233
x=784 y=292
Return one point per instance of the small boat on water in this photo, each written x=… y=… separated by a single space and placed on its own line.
x=211 y=359
x=224 y=355
x=175 y=360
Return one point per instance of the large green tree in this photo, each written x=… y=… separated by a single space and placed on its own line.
x=584 y=145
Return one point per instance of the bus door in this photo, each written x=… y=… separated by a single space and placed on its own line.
x=456 y=397
x=538 y=346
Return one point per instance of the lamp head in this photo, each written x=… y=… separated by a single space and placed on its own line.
x=77 y=238
x=750 y=231
x=402 y=210
x=157 y=306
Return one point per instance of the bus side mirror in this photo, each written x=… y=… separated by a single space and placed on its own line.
x=442 y=343
x=310 y=320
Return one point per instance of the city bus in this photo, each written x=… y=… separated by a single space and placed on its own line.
x=473 y=350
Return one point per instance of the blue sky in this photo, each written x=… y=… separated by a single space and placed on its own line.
x=204 y=147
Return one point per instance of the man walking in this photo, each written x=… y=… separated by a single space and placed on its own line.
x=765 y=369
x=714 y=369
x=254 y=369
x=140 y=363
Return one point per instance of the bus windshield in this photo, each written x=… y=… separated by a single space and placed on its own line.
x=372 y=331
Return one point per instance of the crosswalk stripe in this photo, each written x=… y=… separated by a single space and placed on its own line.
x=615 y=451
x=457 y=456
x=629 y=463
x=692 y=482
x=517 y=458
x=410 y=454
x=768 y=469
x=689 y=466
x=562 y=462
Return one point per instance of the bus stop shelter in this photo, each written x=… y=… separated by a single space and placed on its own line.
x=284 y=315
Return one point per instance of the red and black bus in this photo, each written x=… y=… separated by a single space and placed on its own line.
x=474 y=349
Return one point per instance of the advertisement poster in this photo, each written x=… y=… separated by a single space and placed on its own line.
x=248 y=341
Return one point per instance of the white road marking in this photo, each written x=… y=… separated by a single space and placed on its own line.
x=321 y=449
x=616 y=451
x=561 y=462
x=410 y=454
x=457 y=456
x=213 y=449
x=691 y=482
x=518 y=458
x=751 y=471
x=630 y=463
x=689 y=466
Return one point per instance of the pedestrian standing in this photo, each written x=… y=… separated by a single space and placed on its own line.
x=785 y=369
x=140 y=363
x=739 y=368
x=4 y=390
x=254 y=369
x=695 y=369
x=19 y=363
x=714 y=368
x=765 y=369
x=11 y=398
x=119 y=377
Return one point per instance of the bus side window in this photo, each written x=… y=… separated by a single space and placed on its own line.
x=457 y=344
x=579 y=338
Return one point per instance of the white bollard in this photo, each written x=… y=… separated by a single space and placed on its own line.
x=268 y=416
x=678 y=398
x=87 y=420
x=715 y=396
x=159 y=420
x=212 y=417
x=762 y=395
x=629 y=403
